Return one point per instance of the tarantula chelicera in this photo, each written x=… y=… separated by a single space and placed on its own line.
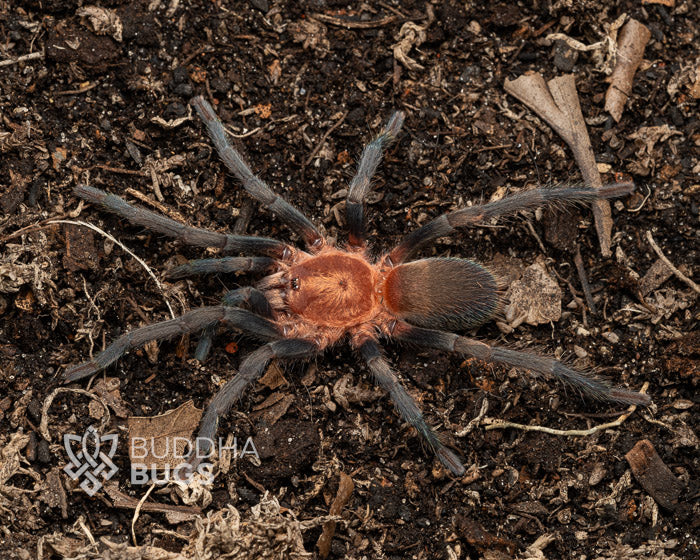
x=311 y=299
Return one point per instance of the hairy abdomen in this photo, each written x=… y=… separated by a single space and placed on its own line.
x=442 y=293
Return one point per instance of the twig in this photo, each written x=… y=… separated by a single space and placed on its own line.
x=23 y=58
x=324 y=138
x=578 y=261
x=497 y=424
x=231 y=133
x=155 y=204
x=350 y=24
x=83 y=89
x=669 y=264
x=474 y=421
x=137 y=512
x=122 y=170
x=125 y=248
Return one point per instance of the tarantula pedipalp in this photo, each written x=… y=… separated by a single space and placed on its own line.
x=312 y=299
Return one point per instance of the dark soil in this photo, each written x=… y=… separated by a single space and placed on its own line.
x=84 y=113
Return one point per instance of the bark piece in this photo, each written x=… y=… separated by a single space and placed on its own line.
x=653 y=474
x=557 y=103
x=631 y=42
x=667 y=3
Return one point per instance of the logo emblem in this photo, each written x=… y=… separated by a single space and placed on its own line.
x=90 y=461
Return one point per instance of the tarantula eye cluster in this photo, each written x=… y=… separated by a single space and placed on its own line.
x=340 y=293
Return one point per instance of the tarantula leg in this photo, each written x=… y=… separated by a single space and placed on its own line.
x=251 y=183
x=191 y=321
x=251 y=369
x=224 y=265
x=406 y=406
x=252 y=298
x=360 y=185
x=189 y=235
x=534 y=198
x=585 y=382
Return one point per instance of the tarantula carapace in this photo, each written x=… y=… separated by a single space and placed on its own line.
x=310 y=300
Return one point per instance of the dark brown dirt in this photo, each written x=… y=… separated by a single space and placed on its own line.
x=84 y=112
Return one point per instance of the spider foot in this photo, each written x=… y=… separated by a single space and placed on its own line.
x=450 y=461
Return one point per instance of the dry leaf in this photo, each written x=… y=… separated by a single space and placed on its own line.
x=535 y=298
x=272 y=409
x=273 y=378
x=104 y=21
x=160 y=441
x=557 y=103
x=108 y=391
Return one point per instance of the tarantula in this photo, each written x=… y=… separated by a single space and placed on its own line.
x=312 y=299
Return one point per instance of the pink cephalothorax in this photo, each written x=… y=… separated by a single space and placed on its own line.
x=307 y=300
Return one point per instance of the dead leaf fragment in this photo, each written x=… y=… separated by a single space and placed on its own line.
x=657 y=274
x=535 y=298
x=275 y=71
x=411 y=35
x=631 y=41
x=344 y=392
x=103 y=21
x=160 y=441
x=263 y=110
x=273 y=378
x=272 y=409
x=311 y=33
x=108 y=391
x=653 y=474
x=54 y=495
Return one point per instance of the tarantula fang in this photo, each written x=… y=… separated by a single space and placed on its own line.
x=309 y=300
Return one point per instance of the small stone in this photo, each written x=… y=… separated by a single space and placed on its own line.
x=564 y=56
x=43 y=454
x=262 y=5
x=611 y=337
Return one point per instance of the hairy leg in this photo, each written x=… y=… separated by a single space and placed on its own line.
x=534 y=198
x=251 y=183
x=189 y=235
x=406 y=406
x=251 y=369
x=584 y=382
x=189 y=322
x=223 y=265
x=248 y=297
x=360 y=185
